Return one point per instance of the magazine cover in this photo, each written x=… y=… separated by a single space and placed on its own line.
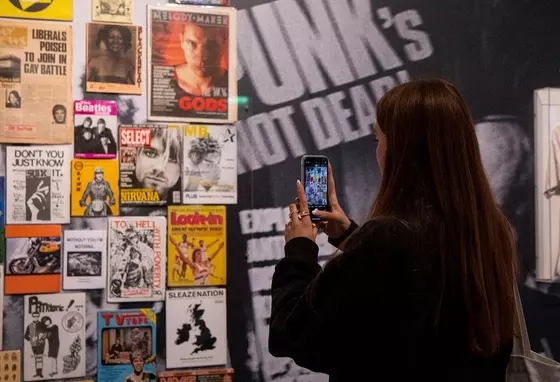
x=35 y=81
x=38 y=9
x=201 y=2
x=10 y=365
x=114 y=58
x=150 y=164
x=37 y=177
x=113 y=11
x=192 y=61
x=127 y=345
x=85 y=259
x=54 y=336
x=32 y=259
x=209 y=164
x=2 y=196
x=196 y=332
x=95 y=129
x=137 y=257
x=202 y=375
x=197 y=245
x=95 y=187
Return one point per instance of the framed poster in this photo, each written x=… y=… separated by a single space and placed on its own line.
x=114 y=58
x=192 y=61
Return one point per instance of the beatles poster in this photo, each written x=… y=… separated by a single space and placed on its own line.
x=95 y=129
x=35 y=82
x=114 y=58
x=192 y=74
x=54 y=336
x=37 y=9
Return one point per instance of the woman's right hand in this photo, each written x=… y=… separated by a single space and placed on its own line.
x=334 y=222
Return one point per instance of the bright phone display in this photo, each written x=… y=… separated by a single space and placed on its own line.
x=314 y=177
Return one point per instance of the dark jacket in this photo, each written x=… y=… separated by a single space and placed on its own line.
x=372 y=313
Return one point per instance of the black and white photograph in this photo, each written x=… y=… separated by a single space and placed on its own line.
x=116 y=11
x=10 y=68
x=13 y=99
x=94 y=139
x=59 y=114
x=38 y=197
x=113 y=58
x=85 y=253
x=196 y=327
x=136 y=259
x=54 y=336
x=84 y=264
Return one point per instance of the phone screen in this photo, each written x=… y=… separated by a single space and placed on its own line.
x=315 y=170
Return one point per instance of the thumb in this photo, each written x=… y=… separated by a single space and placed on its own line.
x=325 y=214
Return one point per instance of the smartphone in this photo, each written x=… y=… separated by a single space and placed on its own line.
x=314 y=175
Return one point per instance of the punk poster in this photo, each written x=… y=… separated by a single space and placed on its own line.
x=112 y=11
x=136 y=259
x=197 y=249
x=37 y=177
x=95 y=129
x=38 y=9
x=192 y=57
x=201 y=375
x=85 y=259
x=150 y=164
x=32 y=259
x=35 y=82
x=209 y=164
x=95 y=187
x=196 y=330
x=10 y=365
x=114 y=58
x=54 y=336
x=127 y=345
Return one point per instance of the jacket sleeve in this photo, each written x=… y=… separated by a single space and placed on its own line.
x=309 y=303
x=339 y=241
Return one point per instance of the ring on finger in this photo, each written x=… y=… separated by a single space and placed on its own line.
x=303 y=214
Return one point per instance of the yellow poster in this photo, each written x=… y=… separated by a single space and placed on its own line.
x=95 y=189
x=196 y=245
x=37 y=9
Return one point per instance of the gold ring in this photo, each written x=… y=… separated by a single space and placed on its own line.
x=292 y=212
x=303 y=214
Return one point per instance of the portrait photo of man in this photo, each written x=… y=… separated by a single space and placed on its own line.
x=59 y=114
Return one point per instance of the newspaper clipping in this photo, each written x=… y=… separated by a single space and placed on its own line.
x=150 y=164
x=192 y=76
x=209 y=164
x=37 y=177
x=113 y=11
x=114 y=58
x=95 y=129
x=35 y=82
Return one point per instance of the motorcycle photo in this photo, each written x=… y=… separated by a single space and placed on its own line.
x=42 y=255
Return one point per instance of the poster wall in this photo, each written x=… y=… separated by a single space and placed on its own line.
x=35 y=82
x=193 y=57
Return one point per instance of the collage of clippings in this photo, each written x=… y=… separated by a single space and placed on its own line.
x=96 y=205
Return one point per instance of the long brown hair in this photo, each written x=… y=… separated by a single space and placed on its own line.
x=433 y=156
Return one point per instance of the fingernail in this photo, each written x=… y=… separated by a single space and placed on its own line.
x=315 y=211
x=298 y=182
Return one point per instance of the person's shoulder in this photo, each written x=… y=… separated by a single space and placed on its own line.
x=383 y=230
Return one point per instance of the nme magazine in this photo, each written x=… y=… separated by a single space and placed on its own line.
x=127 y=345
x=32 y=259
x=197 y=245
x=10 y=365
x=113 y=11
x=192 y=55
x=54 y=336
x=95 y=129
x=37 y=177
x=114 y=58
x=209 y=164
x=150 y=164
x=136 y=259
x=196 y=330
x=95 y=187
x=85 y=259
x=202 y=375
x=35 y=82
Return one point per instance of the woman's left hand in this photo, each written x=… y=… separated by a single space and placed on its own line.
x=299 y=221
